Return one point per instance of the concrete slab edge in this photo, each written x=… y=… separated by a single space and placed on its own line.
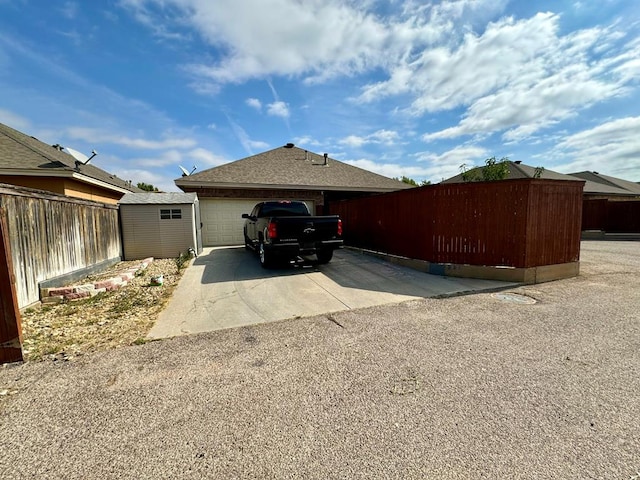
x=541 y=274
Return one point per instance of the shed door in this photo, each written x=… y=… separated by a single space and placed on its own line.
x=222 y=220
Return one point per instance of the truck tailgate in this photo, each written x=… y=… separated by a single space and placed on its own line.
x=306 y=229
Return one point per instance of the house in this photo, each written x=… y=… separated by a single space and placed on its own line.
x=596 y=186
x=26 y=161
x=630 y=190
x=288 y=173
x=160 y=225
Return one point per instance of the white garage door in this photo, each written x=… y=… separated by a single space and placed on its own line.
x=222 y=222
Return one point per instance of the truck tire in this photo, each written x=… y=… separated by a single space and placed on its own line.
x=324 y=256
x=265 y=257
x=247 y=243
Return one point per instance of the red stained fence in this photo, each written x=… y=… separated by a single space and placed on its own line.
x=517 y=223
x=611 y=216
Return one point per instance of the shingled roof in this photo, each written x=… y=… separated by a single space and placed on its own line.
x=520 y=170
x=608 y=181
x=158 y=198
x=21 y=154
x=290 y=167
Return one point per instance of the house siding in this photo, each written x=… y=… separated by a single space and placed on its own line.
x=257 y=193
x=64 y=186
x=55 y=185
x=77 y=189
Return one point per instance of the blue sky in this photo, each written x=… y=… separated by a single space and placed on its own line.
x=397 y=87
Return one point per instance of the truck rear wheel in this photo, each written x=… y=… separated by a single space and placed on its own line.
x=324 y=256
x=266 y=260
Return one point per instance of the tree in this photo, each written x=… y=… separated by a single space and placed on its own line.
x=147 y=187
x=411 y=181
x=493 y=170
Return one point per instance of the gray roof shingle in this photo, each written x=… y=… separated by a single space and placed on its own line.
x=157 y=198
x=606 y=180
x=520 y=170
x=291 y=168
x=20 y=153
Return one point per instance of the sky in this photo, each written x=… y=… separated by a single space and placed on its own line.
x=400 y=88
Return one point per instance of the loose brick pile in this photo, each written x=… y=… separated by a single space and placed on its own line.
x=60 y=294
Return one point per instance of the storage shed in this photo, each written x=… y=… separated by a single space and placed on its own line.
x=159 y=225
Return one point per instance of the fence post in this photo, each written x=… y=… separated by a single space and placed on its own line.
x=10 y=328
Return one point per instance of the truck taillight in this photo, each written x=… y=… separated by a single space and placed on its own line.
x=272 y=230
x=339 y=227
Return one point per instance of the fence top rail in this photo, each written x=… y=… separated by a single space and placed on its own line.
x=18 y=191
x=471 y=186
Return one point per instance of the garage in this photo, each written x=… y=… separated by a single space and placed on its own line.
x=222 y=222
x=284 y=173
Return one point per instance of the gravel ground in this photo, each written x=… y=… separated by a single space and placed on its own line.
x=108 y=320
x=466 y=387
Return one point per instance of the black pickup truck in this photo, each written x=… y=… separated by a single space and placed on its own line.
x=285 y=231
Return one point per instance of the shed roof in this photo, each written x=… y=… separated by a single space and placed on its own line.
x=290 y=167
x=157 y=198
x=21 y=154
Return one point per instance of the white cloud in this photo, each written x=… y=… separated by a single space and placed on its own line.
x=385 y=137
x=390 y=170
x=14 y=120
x=245 y=140
x=69 y=10
x=307 y=140
x=205 y=158
x=170 y=157
x=316 y=39
x=455 y=156
x=353 y=141
x=154 y=178
x=513 y=75
x=278 y=109
x=612 y=147
x=254 y=103
x=521 y=77
x=94 y=135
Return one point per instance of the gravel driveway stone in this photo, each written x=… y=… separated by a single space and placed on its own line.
x=464 y=387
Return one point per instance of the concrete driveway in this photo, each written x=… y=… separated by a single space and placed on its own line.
x=226 y=287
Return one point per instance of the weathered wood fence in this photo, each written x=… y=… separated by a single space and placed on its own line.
x=611 y=216
x=516 y=223
x=52 y=235
x=10 y=328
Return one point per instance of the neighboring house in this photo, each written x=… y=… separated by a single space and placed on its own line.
x=596 y=186
x=630 y=190
x=288 y=173
x=160 y=225
x=26 y=161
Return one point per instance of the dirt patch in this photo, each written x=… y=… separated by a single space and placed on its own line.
x=107 y=320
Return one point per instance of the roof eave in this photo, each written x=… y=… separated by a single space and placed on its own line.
x=259 y=186
x=63 y=174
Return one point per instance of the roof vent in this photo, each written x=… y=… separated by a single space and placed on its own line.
x=289 y=145
x=518 y=162
x=326 y=161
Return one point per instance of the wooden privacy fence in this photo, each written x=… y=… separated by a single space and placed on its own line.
x=611 y=216
x=516 y=223
x=52 y=235
x=10 y=328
